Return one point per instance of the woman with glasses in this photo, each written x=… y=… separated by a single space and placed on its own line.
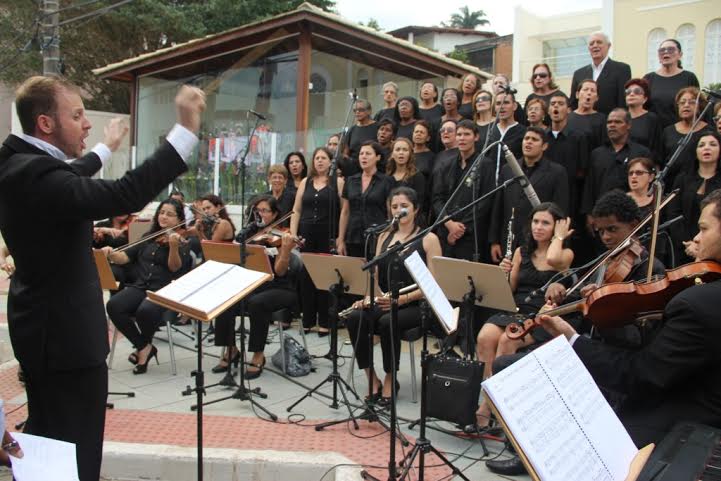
x=543 y=88
x=645 y=127
x=469 y=86
x=665 y=82
x=365 y=129
x=156 y=263
x=536 y=112
x=689 y=103
x=482 y=115
x=694 y=186
x=641 y=173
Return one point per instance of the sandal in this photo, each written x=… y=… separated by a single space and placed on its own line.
x=254 y=374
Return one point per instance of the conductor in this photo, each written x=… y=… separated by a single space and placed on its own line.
x=56 y=315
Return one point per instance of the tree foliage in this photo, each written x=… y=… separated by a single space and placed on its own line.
x=138 y=27
x=372 y=23
x=467 y=19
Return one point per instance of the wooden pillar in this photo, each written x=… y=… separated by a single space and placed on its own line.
x=302 y=100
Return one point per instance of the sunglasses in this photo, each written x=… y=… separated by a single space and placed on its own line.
x=448 y=130
x=540 y=75
x=483 y=98
x=637 y=173
x=635 y=90
x=664 y=50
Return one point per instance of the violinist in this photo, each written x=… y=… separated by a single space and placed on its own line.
x=156 y=263
x=113 y=232
x=409 y=314
x=676 y=376
x=215 y=224
x=276 y=294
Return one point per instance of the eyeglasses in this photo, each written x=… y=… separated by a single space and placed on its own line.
x=264 y=210
x=540 y=75
x=358 y=109
x=635 y=90
x=687 y=102
x=483 y=98
x=637 y=173
x=664 y=50
x=448 y=130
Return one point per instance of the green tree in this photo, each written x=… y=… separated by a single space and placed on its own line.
x=138 y=27
x=467 y=19
x=372 y=23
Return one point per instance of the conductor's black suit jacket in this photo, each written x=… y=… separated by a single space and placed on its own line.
x=611 y=93
x=56 y=314
x=676 y=376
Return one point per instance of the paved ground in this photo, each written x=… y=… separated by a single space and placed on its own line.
x=160 y=414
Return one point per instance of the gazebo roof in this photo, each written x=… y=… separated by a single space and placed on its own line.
x=329 y=33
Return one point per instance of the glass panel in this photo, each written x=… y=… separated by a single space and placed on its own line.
x=564 y=56
x=712 y=54
x=655 y=37
x=686 y=36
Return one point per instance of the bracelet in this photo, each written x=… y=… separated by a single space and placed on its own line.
x=557 y=237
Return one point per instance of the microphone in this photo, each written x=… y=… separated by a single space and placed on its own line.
x=260 y=116
x=396 y=218
x=509 y=90
x=712 y=93
x=518 y=172
x=391 y=224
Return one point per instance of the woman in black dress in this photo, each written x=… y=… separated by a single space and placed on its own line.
x=409 y=314
x=422 y=153
x=364 y=129
x=363 y=203
x=315 y=201
x=156 y=263
x=470 y=83
x=429 y=108
x=531 y=267
x=216 y=224
x=280 y=189
x=645 y=127
x=665 y=82
x=537 y=112
x=296 y=167
x=483 y=116
x=402 y=168
x=585 y=119
x=406 y=115
x=451 y=99
x=543 y=88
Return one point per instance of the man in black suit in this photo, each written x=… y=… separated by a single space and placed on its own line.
x=610 y=76
x=56 y=315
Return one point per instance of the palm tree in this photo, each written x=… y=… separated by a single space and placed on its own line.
x=467 y=19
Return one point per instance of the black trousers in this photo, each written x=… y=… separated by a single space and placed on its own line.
x=314 y=302
x=408 y=318
x=260 y=306
x=70 y=406
x=129 y=303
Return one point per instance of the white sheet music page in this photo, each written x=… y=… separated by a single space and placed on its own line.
x=209 y=285
x=432 y=291
x=44 y=459
x=559 y=417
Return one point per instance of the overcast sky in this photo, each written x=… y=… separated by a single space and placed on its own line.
x=394 y=14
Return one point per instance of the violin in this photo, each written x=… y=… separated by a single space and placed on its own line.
x=164 y=240
x=272 y=235
x=623 y=263
x=621 y=303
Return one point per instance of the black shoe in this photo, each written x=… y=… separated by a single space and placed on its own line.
x=143 y=368
x=220 y=367
x=255 y=374
x=509 y=467
x=323 y=333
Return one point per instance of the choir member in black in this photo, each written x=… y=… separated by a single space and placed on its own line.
x=641 y=174
x=507 y=130
x=717 y=116
x=483 y=116
x=364 y=129
x=156 y=263
x=567 y=148
x=694 y=185
x=443 y=159
x=688 y=109
x=585 y=119
x=548 y=180
x=278 y=182
x=541 y=256
x=422 y=154
x=363 y=203
x=607 y=166
x=385 y=136
x=390 y=95
x=543 y=87
x=406 y=115
x=667 y=80
x=402 y=168
x=296 y=167
x=216 y=224
x=429 y=109
x=608 y=73
x=451 y=100
x=408 y=312
x=276 y=294
x=457 y=234
x=332 y=143
x=470 y=83
x=312 y=221
x=500 y=83
x=645 y=126
x=536 y=112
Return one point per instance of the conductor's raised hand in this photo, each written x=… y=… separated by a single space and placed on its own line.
x=115 y=132
x=189 y=106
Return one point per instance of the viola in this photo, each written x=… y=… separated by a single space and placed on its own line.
x=274 y=238
x=623 y=263
x=621 y=303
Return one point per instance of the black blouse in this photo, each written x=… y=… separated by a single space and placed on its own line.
x=663 y=92
x=366 y=208
x=432 y=115
x=466 y=110
x=150 y=265
x=315 y=204
x=592 y=126
x=687 y=158
x=646 y=130
x=687 y=202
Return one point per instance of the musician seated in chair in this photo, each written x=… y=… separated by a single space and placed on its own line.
x=409 y=314
x=156 y=263
x=113 y=232
x=533 y=265
x=274 y=295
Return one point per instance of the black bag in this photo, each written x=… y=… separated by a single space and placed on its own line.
x=454 y=385
x=297 y=359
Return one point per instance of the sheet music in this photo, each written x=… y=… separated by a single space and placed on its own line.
x=44 y=459
x=209 y=285
x=432 y=291
x=559 y=417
